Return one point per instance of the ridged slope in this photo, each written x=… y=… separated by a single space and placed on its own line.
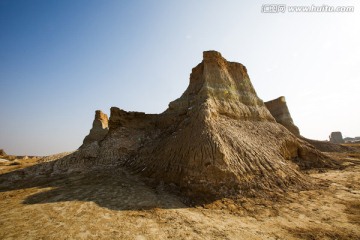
x=222 y=139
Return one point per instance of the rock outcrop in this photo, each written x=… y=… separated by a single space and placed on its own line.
x=279 y=110
x=219 y=138
x=99 y=128
x=2 y=152
x=336 y=137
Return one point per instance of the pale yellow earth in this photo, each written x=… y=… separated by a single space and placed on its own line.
x=115 y=205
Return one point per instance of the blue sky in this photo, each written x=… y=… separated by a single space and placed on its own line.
x=62 y=60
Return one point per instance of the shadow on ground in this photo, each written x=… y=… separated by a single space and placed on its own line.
x=114 y=189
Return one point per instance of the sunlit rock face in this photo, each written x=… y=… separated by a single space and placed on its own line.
x=99 y=128
x=224 y=87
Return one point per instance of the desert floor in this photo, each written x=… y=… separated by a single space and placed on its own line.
x=115 y=205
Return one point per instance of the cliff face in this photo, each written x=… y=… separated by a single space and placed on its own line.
x=279 y=110
x=217 y=139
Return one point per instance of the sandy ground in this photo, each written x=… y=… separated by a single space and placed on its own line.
x=115 y=205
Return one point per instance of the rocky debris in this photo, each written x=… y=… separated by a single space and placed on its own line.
x=279 y=110
x=3 y=160
x=99 y=128
x=336 y=137
x=11 y=157
x=352 y=140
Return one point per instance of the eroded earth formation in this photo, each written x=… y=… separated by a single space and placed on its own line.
x=218 y=139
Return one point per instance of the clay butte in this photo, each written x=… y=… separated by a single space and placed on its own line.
x=217 y=139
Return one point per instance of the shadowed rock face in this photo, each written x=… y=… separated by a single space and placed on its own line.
x=336 y=137
x=99 y=128
x=279 y=110
x=217 y=139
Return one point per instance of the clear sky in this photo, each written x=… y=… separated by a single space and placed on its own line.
x=62 y=60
